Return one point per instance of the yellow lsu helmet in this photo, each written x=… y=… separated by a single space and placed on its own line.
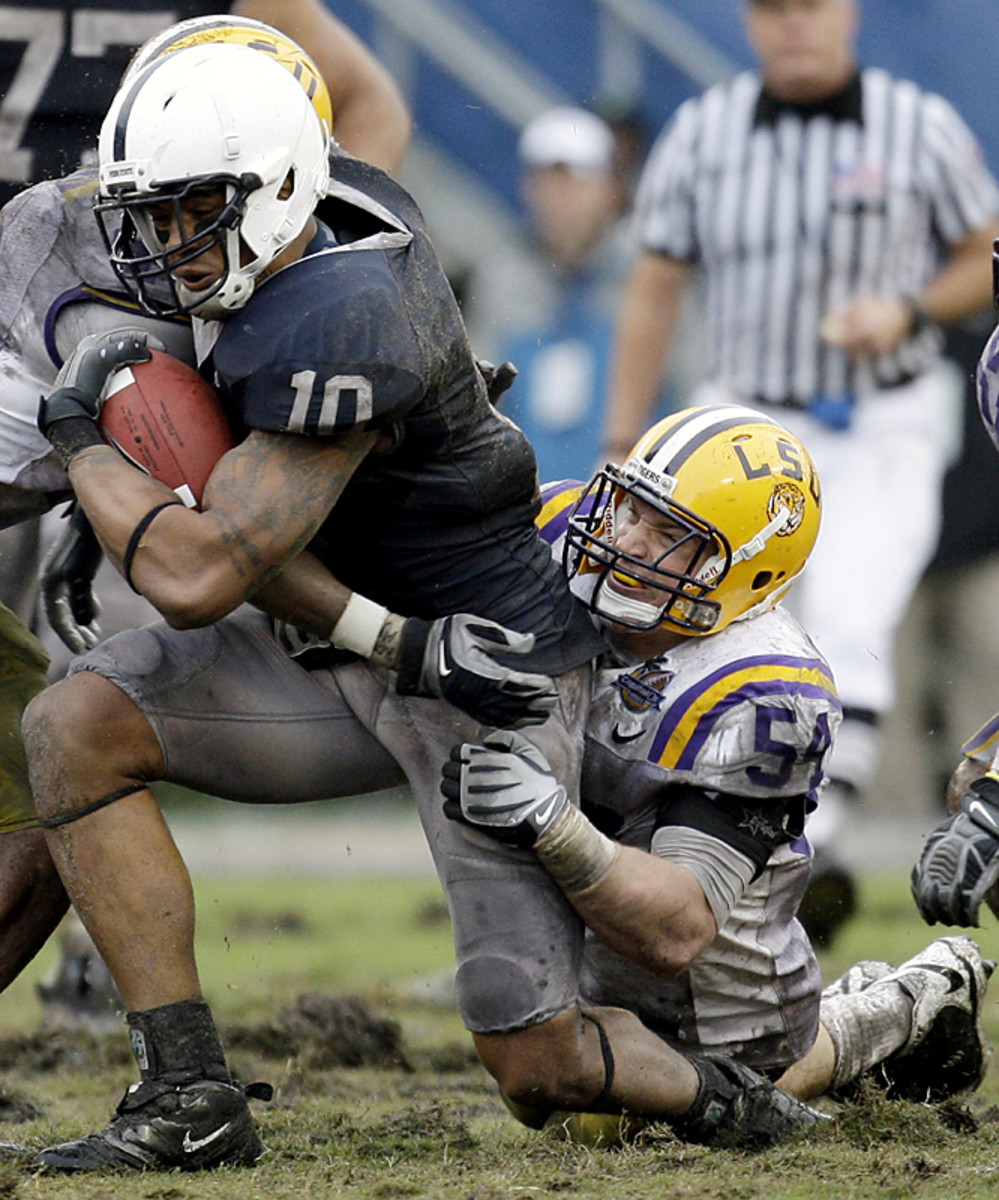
x=746 y=495
x=240 y=31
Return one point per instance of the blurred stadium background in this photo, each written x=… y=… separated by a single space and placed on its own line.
x=475 y=71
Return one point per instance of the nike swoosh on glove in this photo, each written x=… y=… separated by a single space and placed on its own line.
x=504 y=787
x=453 y=659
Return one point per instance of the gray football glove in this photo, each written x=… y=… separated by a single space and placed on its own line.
x=453 y=659
x=503 y=786
x=68 y=415
x=67 y=584
x=960 y=860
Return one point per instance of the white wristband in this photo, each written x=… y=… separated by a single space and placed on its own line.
x=359 y=625
x=574 y=852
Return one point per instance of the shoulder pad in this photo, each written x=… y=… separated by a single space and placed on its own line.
x=557 y=501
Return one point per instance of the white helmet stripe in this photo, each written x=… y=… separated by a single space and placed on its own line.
x=688 y=435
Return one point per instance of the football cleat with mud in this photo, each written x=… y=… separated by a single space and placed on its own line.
x=946 y=1052
x=739 y=1108
x=159 y=1126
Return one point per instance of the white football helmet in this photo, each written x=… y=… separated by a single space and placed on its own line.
x=199 y=118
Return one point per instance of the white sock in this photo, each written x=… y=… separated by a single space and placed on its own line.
x=865 y=1027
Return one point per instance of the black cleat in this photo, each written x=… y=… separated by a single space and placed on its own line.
x=739 y=1108
x=159 y=1126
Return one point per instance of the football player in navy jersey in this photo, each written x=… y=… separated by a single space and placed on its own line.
x=369 y=448
x=57 y=286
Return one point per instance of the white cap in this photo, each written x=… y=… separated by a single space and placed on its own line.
x=570 y=137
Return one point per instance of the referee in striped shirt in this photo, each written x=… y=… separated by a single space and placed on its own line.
x=836 y=216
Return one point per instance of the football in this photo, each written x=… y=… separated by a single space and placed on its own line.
x=168 y=421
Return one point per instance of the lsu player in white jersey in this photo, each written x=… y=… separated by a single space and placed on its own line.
x=711 y=718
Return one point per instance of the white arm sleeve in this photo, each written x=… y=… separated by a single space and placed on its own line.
x=722 y=871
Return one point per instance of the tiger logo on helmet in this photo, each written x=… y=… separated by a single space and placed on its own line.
x=743 y=499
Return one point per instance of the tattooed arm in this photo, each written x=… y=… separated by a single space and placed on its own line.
x=264 y=503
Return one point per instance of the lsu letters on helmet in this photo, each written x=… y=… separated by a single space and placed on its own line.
x=746 y=496
x=240 y=31
x=197 y=119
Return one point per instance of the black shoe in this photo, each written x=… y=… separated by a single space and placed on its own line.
x=737 y=1107
x=829 y=902
x=159 y=1126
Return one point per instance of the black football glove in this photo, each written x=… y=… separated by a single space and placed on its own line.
x=504 y=787
x=452 y=659
x=67 y=584
x=68 y=415
x=498 y=379
x=960 y=860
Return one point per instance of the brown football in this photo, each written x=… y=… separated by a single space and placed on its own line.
x=168 y=421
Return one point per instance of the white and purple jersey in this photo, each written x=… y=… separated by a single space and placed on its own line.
x=56 y=287
x=740 y=722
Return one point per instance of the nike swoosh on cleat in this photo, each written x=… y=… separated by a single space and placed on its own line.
x=442 y=668
x=189 y=1144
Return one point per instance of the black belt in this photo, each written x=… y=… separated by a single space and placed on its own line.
x=796 y=401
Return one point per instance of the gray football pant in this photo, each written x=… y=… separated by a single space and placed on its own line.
x=236 y=717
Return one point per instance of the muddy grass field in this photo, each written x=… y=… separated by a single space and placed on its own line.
x=336 y=993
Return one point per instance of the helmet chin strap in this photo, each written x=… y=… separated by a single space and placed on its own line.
x=613 y=606
x=756 y=545
x=236 y=290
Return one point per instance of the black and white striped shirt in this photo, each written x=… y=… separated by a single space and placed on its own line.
x=790 y=215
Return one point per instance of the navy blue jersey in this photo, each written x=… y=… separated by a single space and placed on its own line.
x=60 y=65
x=365 y=331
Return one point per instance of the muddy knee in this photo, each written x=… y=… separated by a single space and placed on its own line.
x=84 y=738
x=553 y=1065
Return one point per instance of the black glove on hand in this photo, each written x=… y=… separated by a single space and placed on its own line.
x=452 y=659
x=503 y=786
x=67 y=578
x=498 y=379
x=960 y=860
x=68 y=415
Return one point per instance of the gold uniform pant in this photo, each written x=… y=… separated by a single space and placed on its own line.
x=23 y=664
